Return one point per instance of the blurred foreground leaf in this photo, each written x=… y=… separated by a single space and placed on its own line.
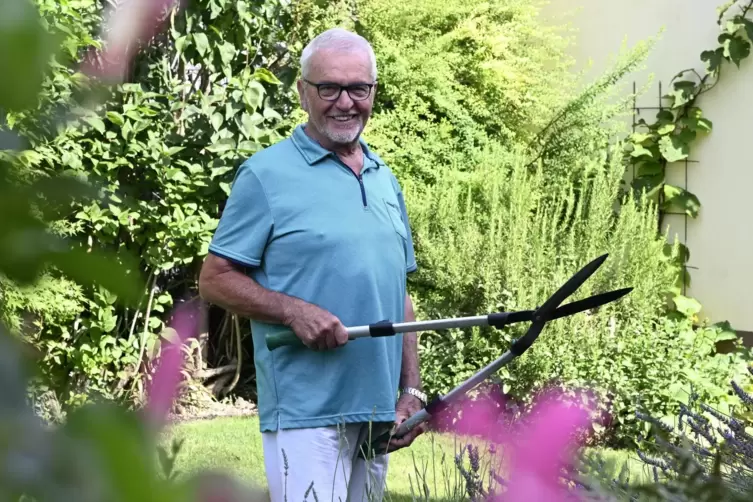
x=123 y=448
x=26 y=52
x=27 y=246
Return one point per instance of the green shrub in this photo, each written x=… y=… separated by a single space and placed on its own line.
x=458 y=74
x=162 y=148
x=500 y=238
x=705 y=454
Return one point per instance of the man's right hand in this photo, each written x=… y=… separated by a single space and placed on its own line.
x=317 y=328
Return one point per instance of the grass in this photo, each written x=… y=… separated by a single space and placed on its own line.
x=233 y=445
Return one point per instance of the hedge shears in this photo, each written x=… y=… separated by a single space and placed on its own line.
x=549 y=311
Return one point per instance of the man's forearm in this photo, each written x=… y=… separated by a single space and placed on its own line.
x=410 y=375
x=235 y=292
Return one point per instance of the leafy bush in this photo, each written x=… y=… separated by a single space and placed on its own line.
x=703 y=455
x=458 y=76
x=162 y=148
x=493 y=240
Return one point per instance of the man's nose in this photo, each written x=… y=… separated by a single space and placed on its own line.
x=344 y=101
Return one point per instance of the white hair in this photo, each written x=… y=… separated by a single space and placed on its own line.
x=338 y=39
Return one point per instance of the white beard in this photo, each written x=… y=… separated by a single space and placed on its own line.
x=341 y=136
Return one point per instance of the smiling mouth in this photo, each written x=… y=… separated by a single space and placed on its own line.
x=343 y=118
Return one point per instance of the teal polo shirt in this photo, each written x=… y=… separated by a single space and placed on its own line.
x=303 y=224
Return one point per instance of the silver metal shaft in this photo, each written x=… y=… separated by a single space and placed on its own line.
x=415 y=326
x=463 y=388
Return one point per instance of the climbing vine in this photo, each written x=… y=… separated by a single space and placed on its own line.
x=655 y=146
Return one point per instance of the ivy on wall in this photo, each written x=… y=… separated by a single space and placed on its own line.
x=655 y=146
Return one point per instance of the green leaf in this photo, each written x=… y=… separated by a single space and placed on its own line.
x=175 y=174
x=687 y=306
x=666 y=129
x=694 y=112
x=96 y=123
x=25 y=51
x=748 y=27
x=173 y=150
x=713 y=59
x=673 y=148
x=685 y=85
x=115 y=118
x=704 y=125
x=248 y=147
x=665 y=116
x=253 y=95
x=650 y=168
x=267 y=76
x=217 y=120
x=738 y=49
x=223 y=145
x=686 y=136
x=677 y=197
x=679 y=391
x=219 y=171
x=248 y=125
x=226 y=52
x=684 y=90
x=180 y=43
x=201 y=42
x=641 y=151
x=118 y=442
x=636 y=137
x=697 y=124
x=725 y=331
x=271 y=114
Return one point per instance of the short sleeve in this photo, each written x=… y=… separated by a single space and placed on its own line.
x=246 y=222
x=410 y=255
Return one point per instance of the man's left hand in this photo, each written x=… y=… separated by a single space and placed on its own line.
x=407 y=406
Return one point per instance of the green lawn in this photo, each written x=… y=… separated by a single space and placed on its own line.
x=233 y=445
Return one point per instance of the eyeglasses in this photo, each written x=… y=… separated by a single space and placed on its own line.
x=329 y=91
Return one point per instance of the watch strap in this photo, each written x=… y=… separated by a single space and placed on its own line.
x=415 y=393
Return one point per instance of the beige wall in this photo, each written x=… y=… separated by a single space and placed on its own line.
x=721 y=238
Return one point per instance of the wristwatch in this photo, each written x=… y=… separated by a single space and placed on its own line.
x=415 y=393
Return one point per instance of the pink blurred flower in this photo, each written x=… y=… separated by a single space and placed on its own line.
x=536 y=445
x=168 y=375
x=547 y=444
x=126 y=25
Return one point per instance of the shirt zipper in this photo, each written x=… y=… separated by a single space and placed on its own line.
x=363 y=189
x=359 y=177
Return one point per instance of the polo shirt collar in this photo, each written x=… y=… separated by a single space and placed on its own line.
x=313 y=152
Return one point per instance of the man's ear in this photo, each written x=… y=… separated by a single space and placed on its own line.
x=302 y=95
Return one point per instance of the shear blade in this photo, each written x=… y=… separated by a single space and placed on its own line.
x=569 y=287
x=589 y=303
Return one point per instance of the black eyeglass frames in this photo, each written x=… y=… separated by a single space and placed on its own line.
x=330 y=91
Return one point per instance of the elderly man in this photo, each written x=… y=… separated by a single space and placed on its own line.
x=315 y=237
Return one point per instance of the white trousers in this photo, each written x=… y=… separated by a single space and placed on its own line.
x=324 y=460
